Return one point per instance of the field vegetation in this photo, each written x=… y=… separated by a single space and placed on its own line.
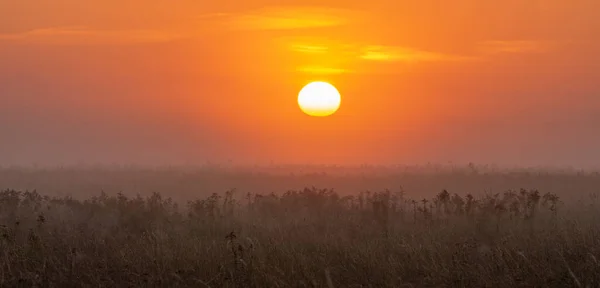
x=305 y=237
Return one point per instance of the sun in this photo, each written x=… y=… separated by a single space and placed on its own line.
x=319 y=99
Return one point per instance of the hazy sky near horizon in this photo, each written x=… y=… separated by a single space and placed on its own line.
x=510 y=82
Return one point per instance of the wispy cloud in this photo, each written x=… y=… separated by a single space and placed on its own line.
x=521 y=46
x=379 y=53
x=404 y=54
x=309 y=49
x=347 y=53
x=84 y=35
x=344 y=53
x=284 y=18
x=322 y=70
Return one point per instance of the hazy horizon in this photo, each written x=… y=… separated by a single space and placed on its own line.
x=311 y=169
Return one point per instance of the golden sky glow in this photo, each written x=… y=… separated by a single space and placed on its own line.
x=220 y=79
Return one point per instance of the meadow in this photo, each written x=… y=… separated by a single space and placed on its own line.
x=367 y=227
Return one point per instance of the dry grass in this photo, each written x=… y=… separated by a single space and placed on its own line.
x=305 y=238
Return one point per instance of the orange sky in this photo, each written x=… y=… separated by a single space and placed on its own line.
x=143 y=81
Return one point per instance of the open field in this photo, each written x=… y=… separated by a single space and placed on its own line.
x=182 y=228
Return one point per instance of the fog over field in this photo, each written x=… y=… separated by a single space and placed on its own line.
x=184 y=183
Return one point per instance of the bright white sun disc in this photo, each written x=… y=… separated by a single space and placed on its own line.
x=319 y=99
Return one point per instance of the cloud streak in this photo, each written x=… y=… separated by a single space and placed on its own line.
x=309 y=49
x=404 y=54
x=343 y=54
x=322 y=70
x=84 y=35
x=346 y=53
x=376 y=53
